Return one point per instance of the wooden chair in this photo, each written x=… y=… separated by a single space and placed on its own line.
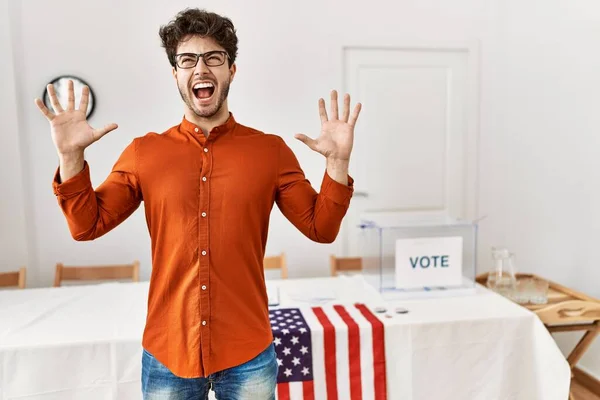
x=94 y=273
x=276 y=262
x=14 y=278
x=344 y=264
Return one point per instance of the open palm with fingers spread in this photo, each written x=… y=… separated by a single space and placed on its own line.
x=71 y=132
x=337 y=132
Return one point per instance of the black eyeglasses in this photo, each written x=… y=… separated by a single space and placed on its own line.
x=214 y=58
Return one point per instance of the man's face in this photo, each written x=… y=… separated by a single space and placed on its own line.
x=203 y=89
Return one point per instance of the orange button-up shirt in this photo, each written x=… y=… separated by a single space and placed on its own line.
x=207 y=204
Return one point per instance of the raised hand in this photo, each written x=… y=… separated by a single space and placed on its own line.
x=337 y=132
x=70 y=130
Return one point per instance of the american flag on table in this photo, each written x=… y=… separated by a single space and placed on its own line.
x=330 y=352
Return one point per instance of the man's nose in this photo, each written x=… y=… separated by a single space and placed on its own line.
x=201 y=67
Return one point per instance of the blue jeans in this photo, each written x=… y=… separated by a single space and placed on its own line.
x=255 y=379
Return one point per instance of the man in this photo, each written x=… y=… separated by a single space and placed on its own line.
x=208 y=184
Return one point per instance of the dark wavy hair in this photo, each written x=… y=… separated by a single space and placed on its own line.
x=194 y=21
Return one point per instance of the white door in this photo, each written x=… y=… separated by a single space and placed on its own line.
x=415 y=150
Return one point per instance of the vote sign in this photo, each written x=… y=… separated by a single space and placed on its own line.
x=429 y=262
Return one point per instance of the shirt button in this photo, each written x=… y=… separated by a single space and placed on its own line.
x=206 y=149
x=203 y=179
x=203 y=252
x=204 y=214
x=203 y=287
x=196 y=129
x=203 y=322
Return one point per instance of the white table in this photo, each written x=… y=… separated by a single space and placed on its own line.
x=85 y=343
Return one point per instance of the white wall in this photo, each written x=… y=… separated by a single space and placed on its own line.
x=538 y=131
x=284 y=65
x=550 y=179
x=13 y=229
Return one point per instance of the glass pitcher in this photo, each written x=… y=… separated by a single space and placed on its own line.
x=502 y=276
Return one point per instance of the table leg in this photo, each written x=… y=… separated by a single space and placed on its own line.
x=583 y=345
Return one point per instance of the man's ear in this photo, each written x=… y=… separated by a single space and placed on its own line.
x=174 y=73
x=232 y=71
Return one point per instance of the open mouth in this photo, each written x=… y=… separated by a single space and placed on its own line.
x=203 y=90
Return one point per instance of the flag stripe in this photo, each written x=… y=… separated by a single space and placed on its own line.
x=353 y=353
x=378 y=352
x=366 y=353
x=318 y=354
x=283 y=391
x=308 y=388
x=330 y=359
x=296 y=391
x=341 y=354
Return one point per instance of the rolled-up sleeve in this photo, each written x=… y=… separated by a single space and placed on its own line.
x=92 y=213
x=317 y=215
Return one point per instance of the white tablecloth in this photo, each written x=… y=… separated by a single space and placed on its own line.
x=85 y=342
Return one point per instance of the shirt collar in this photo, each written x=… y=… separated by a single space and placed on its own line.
x=193 y=129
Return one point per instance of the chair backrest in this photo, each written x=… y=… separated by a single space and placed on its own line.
x=14 y=278
x=96 y=272
x=344 y=264
x=276 y=262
